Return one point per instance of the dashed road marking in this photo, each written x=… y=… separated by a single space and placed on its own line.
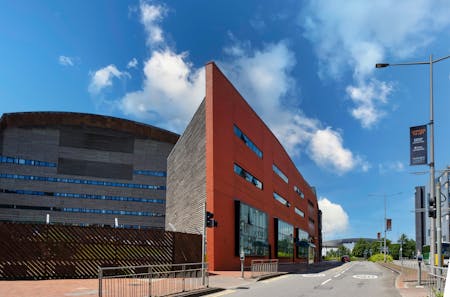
x=365 y=276
x=313 y=275
x=323 y=283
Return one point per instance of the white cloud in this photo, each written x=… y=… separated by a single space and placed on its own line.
x=334 y=218
x=173 y=88
x=327 y=150
x=365 y=32
x=132 y=64
x=66 y=61
x=171 y=92
x=264 y=78
x=150 y=16
x=102 y=78
x=368 y=99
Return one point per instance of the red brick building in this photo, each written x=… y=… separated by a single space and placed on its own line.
x=229 y=159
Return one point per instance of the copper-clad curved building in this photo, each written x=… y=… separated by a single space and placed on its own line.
x=82 y=169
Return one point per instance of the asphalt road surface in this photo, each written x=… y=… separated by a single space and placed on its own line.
x=353 y=279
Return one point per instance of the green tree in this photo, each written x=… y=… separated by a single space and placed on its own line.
x=361 y=248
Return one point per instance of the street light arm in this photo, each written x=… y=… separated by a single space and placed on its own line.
x=383 y=65
x=440 y=59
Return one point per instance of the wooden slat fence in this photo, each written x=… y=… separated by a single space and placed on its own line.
x=40 y=251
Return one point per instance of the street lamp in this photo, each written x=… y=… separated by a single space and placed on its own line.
x=432 y=181
x=385 y=219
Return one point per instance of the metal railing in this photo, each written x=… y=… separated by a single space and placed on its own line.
x=432 y=277
x=435 y=280
x=264 y=267
x=150 y=281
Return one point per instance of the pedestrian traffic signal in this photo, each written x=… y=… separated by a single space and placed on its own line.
x=432 y=207
x=210 y=222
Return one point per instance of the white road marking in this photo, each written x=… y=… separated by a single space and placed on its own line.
x=365 y=276
x=313 y=275
x=323 y=283
x=338 y=275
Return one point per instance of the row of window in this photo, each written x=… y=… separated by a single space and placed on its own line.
x=82 y=196
x=20 y=161
x=247 y=176
x=85 y=210
x=259 y=153
x=247 y=141
x=13 y=160
x=280 y=173
x=81 y=181
x=253 y=234
x=151 y=173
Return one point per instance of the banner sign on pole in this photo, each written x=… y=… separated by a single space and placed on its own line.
x=388 y=224
x=418 y=145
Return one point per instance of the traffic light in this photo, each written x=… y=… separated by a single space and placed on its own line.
x=210 y=222
x=431 y=207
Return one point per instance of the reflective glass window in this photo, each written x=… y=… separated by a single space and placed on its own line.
x=285 y=240
x=253 y=231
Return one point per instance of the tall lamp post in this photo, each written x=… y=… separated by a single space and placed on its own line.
x=432 y=173
x=385 y=219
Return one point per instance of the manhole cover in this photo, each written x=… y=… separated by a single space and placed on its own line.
x=365 y=276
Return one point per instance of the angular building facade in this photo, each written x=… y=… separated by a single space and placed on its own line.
x=230 y=164
x=82 y=169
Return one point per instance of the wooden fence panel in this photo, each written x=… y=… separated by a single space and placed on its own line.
x=39 y=251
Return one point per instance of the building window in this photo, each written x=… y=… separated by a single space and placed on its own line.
x=151 y=173
x=310 y=207
x=83 y=196
x=247 y=141
x=299 y=192
x=311 y=224
x=280 y=173
x=84 y=210
x=20 y=161
x=81 y=181
x=299 y=212
x=281 y=199
x=302 y=243
x=253 y=231
x=285 y=245
x=247 y=176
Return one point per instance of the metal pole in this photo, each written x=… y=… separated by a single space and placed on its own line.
x=204 y=243
x=432 y=185
x=385 y=227
x=438 y=224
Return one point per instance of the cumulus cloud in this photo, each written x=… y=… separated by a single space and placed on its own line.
x=326 y=149
x=364 y=39
x=334 y=218
x=66 y=61
x=132 y=64
x=173 y=88
x=103 y=77
x=369 y=99
x=264 y=78
x=151 y=16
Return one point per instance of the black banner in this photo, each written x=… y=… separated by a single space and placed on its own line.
x=418 y=145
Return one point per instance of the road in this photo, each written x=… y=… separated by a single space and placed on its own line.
x=353 y=279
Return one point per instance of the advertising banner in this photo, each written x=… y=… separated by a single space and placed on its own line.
x=418 y=145
x=388 y=224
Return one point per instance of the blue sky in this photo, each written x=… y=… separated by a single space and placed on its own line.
x=307 y=67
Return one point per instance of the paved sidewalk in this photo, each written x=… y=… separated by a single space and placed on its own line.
x=406 y=282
